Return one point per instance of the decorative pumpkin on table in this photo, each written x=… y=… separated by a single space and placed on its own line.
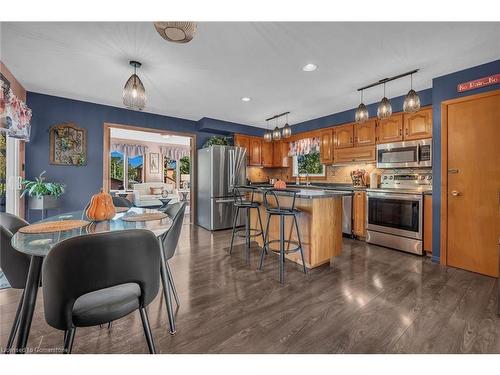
x=280 y=184
x=101 y=207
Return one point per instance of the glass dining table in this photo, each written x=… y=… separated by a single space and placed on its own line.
x=38 y=245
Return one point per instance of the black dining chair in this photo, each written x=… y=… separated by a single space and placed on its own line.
x=170 y=239
x=121 y=202
x=14 y=264
x=97 y=278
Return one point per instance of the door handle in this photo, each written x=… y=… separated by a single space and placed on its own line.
x=453 y=170
x=455 y=193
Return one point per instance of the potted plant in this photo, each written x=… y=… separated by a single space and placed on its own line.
x=216 y=141
x=42 y=195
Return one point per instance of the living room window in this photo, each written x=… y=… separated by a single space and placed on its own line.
x=121 y=166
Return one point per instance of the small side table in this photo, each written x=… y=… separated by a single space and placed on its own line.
x=165 y=202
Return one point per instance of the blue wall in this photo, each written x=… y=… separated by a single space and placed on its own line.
x=348 y=116
x=82 y=182
x=445 y=88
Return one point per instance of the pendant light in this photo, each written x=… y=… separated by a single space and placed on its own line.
x=134 y=94
x=287 y=129
x=176 y=31
x=276 y=132
x=384 y=109
x=268 y=134
x=361 y=114
x=412 y=101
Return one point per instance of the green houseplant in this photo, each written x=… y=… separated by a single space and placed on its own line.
x=216 y=141
x=42 y=194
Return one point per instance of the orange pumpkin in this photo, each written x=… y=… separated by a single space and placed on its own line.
x=101 y=207
x=280 y=185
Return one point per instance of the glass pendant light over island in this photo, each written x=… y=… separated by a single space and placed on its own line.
x=412 y=101
x=384 y=109
x=134 y=94
x=277 y=133
x=286 y=132
x=268 y=135
x=361 y=114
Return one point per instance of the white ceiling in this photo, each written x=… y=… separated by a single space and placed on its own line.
x=226 y=61
x=136 y=135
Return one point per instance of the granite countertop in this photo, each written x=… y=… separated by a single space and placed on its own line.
x=314 y=186
x=304 y=193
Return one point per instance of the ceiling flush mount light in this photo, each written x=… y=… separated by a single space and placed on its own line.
x=134 y=94
x=309 y=67
x=361 y=114
x=286 y=132
x=384 y=109
x=246 y=99
x=176 y=31
x=412 y=101
x=268 y=134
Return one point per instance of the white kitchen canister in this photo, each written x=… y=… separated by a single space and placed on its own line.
x=373 y=180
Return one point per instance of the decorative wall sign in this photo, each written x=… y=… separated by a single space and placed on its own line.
x=154 y=163
x=68 y=145
x=477 y=83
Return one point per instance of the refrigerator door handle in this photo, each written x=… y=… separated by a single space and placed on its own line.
x=228 y=200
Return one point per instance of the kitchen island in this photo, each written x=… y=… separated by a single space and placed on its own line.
x=320 y=224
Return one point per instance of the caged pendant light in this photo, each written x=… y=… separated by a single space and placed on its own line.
x=384 y=109
x=276 y=132
x=361 y=114
x=268 y=135
x=176 y=31
x=411 y=103
x=134 y=94
x=286 y=132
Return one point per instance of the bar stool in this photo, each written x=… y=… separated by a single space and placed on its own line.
x=242 y=203
x=279 y=210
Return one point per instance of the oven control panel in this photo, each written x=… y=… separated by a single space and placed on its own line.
x=406 y=180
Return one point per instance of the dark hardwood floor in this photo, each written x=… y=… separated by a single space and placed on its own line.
x=370 y=300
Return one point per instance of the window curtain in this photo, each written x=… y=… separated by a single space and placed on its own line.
x=129 y=150
x=304 y=146
x=175 y=152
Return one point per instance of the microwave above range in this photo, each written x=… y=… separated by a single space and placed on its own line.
x=409 y=154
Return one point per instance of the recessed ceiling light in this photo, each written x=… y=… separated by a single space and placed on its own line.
x=246 y=99
x=309 y=68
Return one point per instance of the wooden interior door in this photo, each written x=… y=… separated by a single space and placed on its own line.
x=418 y=125
x=472 y=187
x=390 y=129
x=364 y=134
x=343 y=136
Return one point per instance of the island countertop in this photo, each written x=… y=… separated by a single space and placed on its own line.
x=301 y=193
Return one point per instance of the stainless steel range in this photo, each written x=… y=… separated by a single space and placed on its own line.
x=395 y=211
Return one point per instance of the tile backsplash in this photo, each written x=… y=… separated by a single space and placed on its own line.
x=334 y=173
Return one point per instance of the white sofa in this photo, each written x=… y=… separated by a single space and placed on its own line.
x=144 y=197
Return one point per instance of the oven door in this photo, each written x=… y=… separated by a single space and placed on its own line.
x=393 y=213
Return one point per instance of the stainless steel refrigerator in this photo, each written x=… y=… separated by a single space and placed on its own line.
x=219 y=169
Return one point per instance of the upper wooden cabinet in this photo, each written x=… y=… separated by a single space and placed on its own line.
x=418 y=125
x=243 y=141
x=255 y=156
x=343 y=136
x=326 y=146
x=390 y=129
x=280 y=154
x=365 y=133
x=355 y=154
x=267 y=154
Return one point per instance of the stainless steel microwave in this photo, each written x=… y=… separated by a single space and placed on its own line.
x=408 y=154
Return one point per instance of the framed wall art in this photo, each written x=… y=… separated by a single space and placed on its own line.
x=68 y=145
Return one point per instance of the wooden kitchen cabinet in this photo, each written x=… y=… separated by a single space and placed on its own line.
x=365 y=133
x=355 y=154
x=243 y=141
x=390 y=129
x=343 y=136
x=359 y=213
x=280 y=154
x=255 y=155
x=428 y=223
x=326 y=146
x=267 y=154
x=418 y=125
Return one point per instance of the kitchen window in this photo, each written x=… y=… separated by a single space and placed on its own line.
x=308 y=164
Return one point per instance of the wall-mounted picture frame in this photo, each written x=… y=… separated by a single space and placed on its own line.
x=68 y=145
x=154 y=163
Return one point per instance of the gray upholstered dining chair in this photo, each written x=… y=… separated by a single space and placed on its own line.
x=14 y=264
x=170 y=239
x=96 y=278
x=121 y=202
